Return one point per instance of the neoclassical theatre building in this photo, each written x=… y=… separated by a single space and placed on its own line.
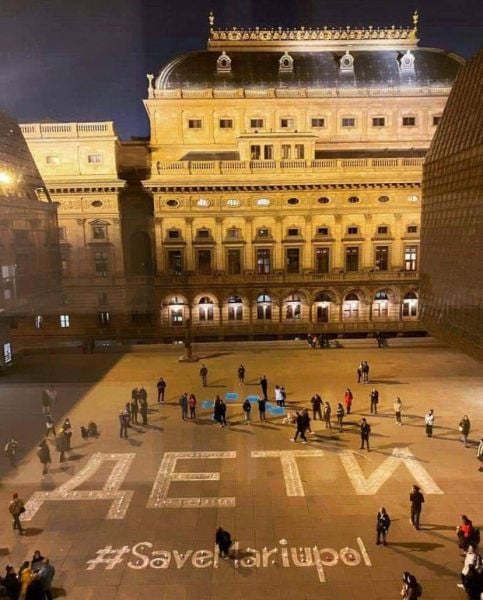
x=279 y=192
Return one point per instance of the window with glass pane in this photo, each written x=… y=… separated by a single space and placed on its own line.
x=101 y=264
x=234 y=261
x=38 y=321
x=299 y=151
x=99 y=232
x=409 y=121
x=175 y=262
x=103 y=319
x=322 y=256
x=226 y=123
x=235 y=308
x=318 y=122
x=382 y=258
x=255 y=152
x=263 y=232
x=348 y=122
x=293 y=260
x=286 y=151
x=204 y=262
x=64 y=321
x=411 y=258
x=256 y=123
x=205 y=309
x=194 y=123
x=268 y=152
x=287 y=123
x=378 y=121
x=263 y=261
x=264 y=307
x=352 y=258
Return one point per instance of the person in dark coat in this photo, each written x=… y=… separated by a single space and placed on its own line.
x=223 y=541
x=383 y=522
x=37 y=561
x=340 y=415
x=416 y=500
x=61 y=444
x=67 y=427
x=316 y=402
x=374 y=398
x=247 y=407
x=411 y=589
x=43 y=452
x=161 y=385
x=327 y=413
x=11 y=583
x=261 y=408
x=46 y=575
x=183 y=402
x=365 y=430
x=241 y=374
x=143 y=409
x=222 y=409
x=204 y=375
x=464 y=428
x=307 y=419
x=300 y=423
x=264 y=386
x=123 y=422
x=192 y=406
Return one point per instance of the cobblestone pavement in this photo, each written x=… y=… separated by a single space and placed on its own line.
x=131 y=519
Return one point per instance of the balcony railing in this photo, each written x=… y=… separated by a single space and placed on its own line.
x=67 y=130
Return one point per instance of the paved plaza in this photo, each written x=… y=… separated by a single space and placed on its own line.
x=135 y=519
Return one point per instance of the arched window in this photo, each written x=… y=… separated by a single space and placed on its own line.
x=176 y=309
x=235 y=308
x=410 y=305
x=380 y=306
x=205 y=309
x=350 y=308
x=293 y=307
x=264 y=307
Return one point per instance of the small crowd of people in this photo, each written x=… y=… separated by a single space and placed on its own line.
x=33 y=581
x=137 y=406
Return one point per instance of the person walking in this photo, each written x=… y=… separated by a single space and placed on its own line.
x=383 y=522
x=316 y=402
x=340 y=415
x=264 y=386
x=411 y=589
x=365 y=430
x=11 y=451
x=46 y=575
x=479 y=454
x=261 y=408
x=464 y=428
x=223 y=422
x=241 y=375
x=61 y=444
x=223 y=541
x=472 y=560
x=307 y=419
x=247 y=407
x=43 y=453
x=204 y=375
x=49 y=397
x=16 y=508
x=327 y=412
x=416 y=500
x=161 y=386
x=192 y=406
x=397 y=410
x=67 y=427
x=429 y=421
x=300 y=425
x=348 y=397
x=49 y=426
x=124 y=423
x=183 y=402
x=374 y=398
x=134 y=410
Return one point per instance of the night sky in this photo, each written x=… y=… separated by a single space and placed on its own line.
x=86 y=60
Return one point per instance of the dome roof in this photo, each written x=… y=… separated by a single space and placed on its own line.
x=376 y=68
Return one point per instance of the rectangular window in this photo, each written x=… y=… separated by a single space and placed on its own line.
x=436 y=120
x=299 y=151
x=286 y=151
x=38 y=321
x=382 y=230
x=263 y=261
x=52 y=160
x=268 y=152
x=353 y=230
x=287 y=123
x=348 y=122
x=194 y=124
x=235 y=312
x=233 y=233
x=322 y=231
x=102 y=299
x=256 y=123
x=382 y=258
x=94 y=159
x=352 y=258
x=204 y=262
x=175 y=262
x=103 y=319
x=99 y=232
x=409 y=121
x=410 y=258
x=61 y=233
x=142 y=318
x=318 y=122
x=173 y=234
x=293 y=231
x=255 y=152
x=263 y=232
x=322 y=257
x=64 y=321
x=226 y=123
x=412 y=229
x=101 y=264
x=378 y=121
x=293 y=260
x=233 y=259
x=203 y=234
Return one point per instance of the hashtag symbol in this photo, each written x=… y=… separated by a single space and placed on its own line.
x=108 y=556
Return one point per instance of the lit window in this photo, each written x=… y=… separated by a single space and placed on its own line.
x=383 y=199
x=101 y=264
x=64 y=321
x=293 y=201
x=323 y=200
x=52 y=159
x=256 y=123
x=409 y=121
x=293 y=231
x=203 y=203
x=99 y=232
x=233 y=202
x=287 y=123
x=410 y=258
x=263 y=202
x=172 y=203
x=353 y=199
x=226 y=123
x=353 y=230
x=348 y=122
x=318 y=122
x=38 y=321
x=436 y=120
x=194 y=124
x=382 y=230
x=413 y=198
x=263 y=232
x=94 y=159
x=378 y=121
x=103 y=319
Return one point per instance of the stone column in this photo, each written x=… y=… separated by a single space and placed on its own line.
x=278 y=249
x=219 y=263
x=338 y=251
x=189 y=259
x=161 y=266
x=367 y=261
x=249 y=259
x=308 y=252
x=396 y=257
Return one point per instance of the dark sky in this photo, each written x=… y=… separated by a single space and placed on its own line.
x=86 y=60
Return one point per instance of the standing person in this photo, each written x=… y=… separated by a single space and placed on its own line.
x=464 y=428
x=134 y=393
x=278 y=395
x=61 y=444
x=307 y=419
x=397 y=410
x=247 y=407
x=143 y=409
x=123 y=422
x=283 y=393
x=241 y=375
x=365 y=372
x=161 y=385
x=261 y=408
x=429 y=421
x=192 y=406
x=359 y=372
x=25 y=576
x=11 y=583
x=127 y=408
x=316 y=402
x=300 y=431
x=223 y=422
x=264 y=386
x=223 y=541
x=142 y=395
x=416 y=500
x=411 y=589
x=217 y=410
x=340 y=415
x=49 y=426
x=134 y=410
x=67 y=427
x=479 y=454
x=16 y=508
x=204 y=375
x=374 y=397
x=43 y=452
x=327 y=412
x=11 y=451
x=49 y=397
x=472 y=559
x=383 y=522
x=365 y=430
x=183 y=402
x=348 y=397
x=466 y=533
x=46 y=575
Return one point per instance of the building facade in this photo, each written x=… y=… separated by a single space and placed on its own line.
x=279 y=192
x=452 y=218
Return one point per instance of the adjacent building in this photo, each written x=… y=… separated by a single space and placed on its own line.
x=279 y=192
